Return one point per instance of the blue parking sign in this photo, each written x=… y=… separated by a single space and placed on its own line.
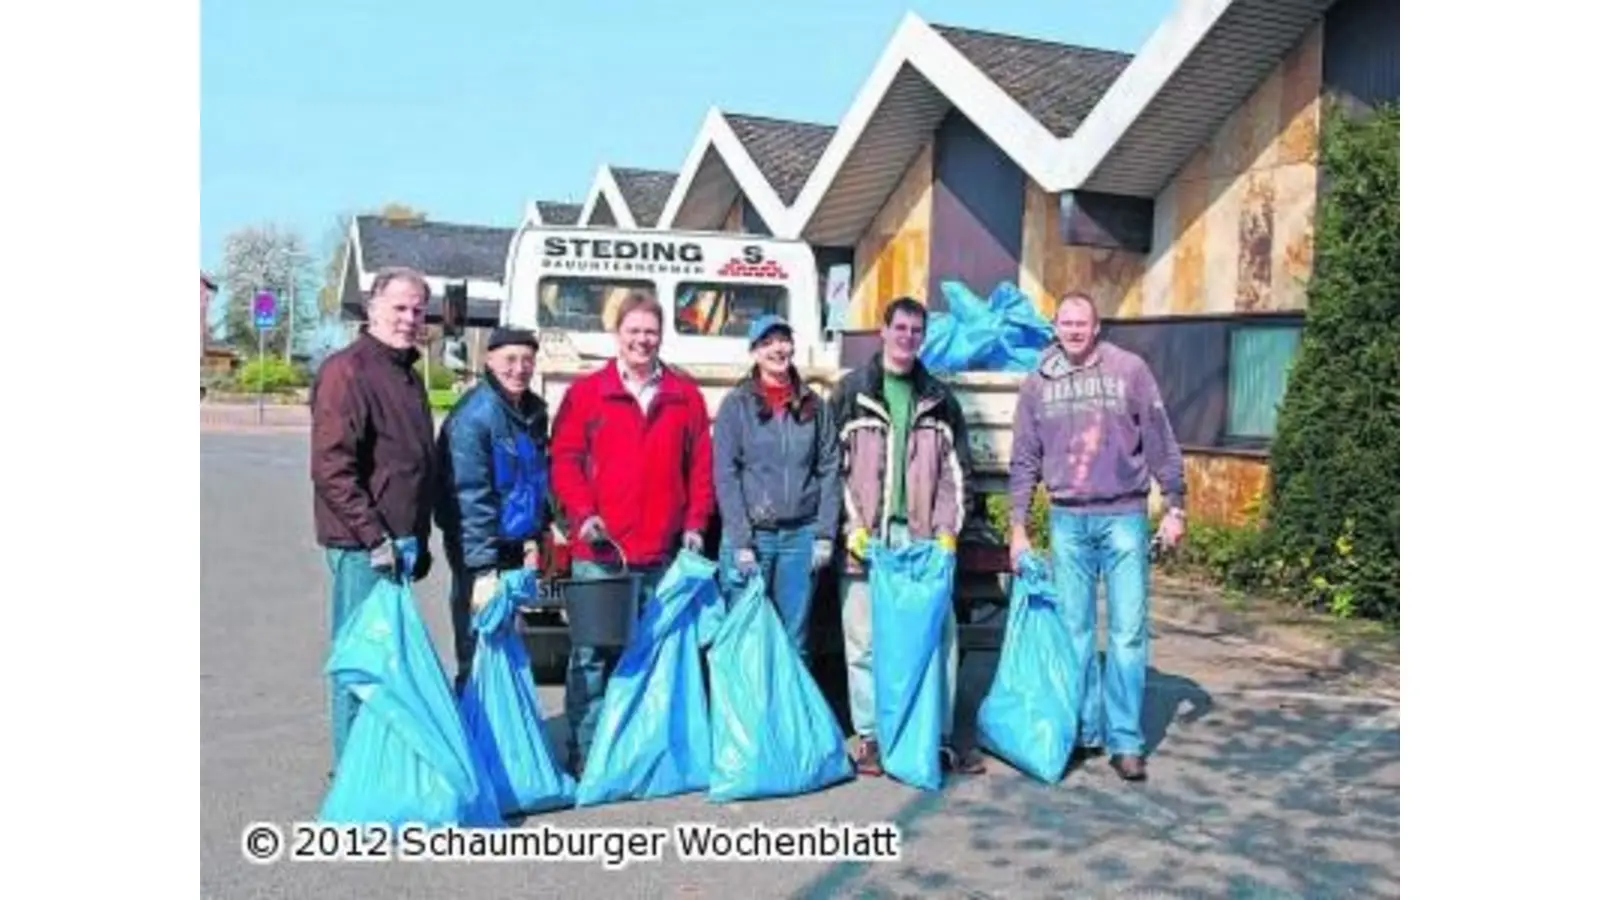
x=265 y=310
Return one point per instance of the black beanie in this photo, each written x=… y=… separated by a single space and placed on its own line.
x=504 y=337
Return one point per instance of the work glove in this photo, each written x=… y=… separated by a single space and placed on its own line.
x=484 y=586
x=397 y=556
x=946 y=541
x=821 y=554
x=745 y=562
x=593 y=531
x=382 y=557
x=693 y=542
x=858 y=543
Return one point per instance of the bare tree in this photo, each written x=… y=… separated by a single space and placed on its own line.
x=266 y=258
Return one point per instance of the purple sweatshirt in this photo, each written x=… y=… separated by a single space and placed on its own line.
x=1094 y=435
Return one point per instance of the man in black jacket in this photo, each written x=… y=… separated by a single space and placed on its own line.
x=372 y=457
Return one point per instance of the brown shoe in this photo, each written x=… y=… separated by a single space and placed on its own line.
x=969 y=763
x=1130 y=768
x=866 y=758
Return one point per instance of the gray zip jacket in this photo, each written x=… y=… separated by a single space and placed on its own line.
x=775 y=469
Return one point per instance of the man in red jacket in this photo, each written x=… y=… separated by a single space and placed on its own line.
x=630 y=465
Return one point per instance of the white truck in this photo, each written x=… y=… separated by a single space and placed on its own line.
x=565 y=283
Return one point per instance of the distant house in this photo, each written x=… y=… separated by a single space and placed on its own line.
x=208 y=289
x=445 y=253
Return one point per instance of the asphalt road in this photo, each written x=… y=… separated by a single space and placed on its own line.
x=1267 y=778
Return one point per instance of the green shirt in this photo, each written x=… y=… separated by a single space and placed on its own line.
x=897 y=391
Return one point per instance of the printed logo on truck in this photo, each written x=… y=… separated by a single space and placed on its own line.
x=623 y=255
x=752 y=265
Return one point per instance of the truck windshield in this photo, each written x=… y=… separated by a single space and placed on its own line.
x=714 y=310
x=585 y=304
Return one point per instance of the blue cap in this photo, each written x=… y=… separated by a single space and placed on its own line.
x=760 y=327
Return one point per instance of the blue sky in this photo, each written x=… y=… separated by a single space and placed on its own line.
x=468 y=109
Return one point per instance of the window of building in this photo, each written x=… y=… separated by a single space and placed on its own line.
x=584 y=304
x=1222 y=377
x=1259 y=357
x=726 y=310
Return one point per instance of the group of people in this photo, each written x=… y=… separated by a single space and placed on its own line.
x=634 y=468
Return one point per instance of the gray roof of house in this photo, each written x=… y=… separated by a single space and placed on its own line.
x=439 y=249
x=645 y=191
x=1058 y=84
x=785 y=151
x=556 y=212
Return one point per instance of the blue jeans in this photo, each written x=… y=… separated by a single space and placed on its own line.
x=589 y=668
x=353 y=579
x=784 y=558
x=1084 y=549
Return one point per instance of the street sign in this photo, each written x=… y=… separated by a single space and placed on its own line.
x=265 y=310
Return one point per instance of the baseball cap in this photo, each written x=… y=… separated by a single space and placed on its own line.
x=762 y=326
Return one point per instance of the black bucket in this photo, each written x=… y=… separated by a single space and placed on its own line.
x=601 y=612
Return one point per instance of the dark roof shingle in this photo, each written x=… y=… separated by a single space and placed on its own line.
x=556 y=212
x=645 y=191
x=785 y=151
x=1058 y=84
x=437 y=249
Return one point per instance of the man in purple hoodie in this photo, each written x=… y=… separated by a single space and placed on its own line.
x=1090 y=424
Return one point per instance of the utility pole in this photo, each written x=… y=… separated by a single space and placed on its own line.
x=288 y=340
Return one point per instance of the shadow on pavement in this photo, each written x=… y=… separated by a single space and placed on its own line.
x=1293 y=798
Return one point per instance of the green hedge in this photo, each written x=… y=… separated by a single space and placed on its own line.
x=1332 y=526
x=272 y=374
x=439 y=378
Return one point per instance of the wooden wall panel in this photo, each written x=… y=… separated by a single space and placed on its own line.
x=1051 y=268
x=1234 y=228
x=892 y=257
x=1223 y=490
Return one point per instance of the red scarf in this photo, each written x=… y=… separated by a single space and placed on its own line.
x=776 y=395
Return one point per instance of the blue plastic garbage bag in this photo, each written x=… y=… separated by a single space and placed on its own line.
x=408 y=758
x=959 y=340
x=1003 y=333
x=654 y=734
x=1030 y=716
x=911 y=593
x=500 y=709
x=772 y=732
x=1024 y=333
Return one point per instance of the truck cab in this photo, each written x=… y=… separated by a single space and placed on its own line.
x=566 y=284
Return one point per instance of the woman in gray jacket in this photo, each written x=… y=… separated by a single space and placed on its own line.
x=776 y=462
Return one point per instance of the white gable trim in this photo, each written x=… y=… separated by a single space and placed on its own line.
x=716 y=132
x=1057 y=164
x=1146 y=74
x=917 y=44
x=605 y=185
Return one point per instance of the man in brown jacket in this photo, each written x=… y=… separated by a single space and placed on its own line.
x=372 y=456
x=904 y=459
